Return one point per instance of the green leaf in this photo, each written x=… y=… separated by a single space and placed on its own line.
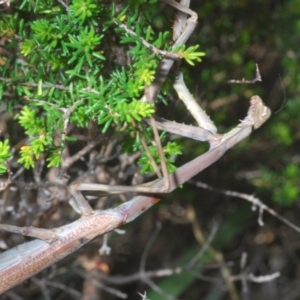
x=4 y=155
x=26 y=157
x=54 y=160
x=190 y=54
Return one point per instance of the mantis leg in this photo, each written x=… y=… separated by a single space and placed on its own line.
x=189 y=131
x=197 y=112
x=39 y=233
x=30 y=258
x=78 y=202
x=258 y=114
x=186 y=28
x=180 y=20
x=182 y=30
x=183 y=26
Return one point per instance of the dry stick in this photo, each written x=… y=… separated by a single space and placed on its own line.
x=244 y=277
x=86 y=149
x=256 y=279
x=144 y=296
x=233 y=97
x=121 y=280
x=243 y=81
x=148 y=247
x=28 y=259
x=255 y=201
x=159 y=290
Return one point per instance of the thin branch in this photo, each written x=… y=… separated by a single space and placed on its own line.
x=144 y=296
x=256 y=279
x=244 y=81
x=255 y=201
x=67 y=163
x=101 y=286
x=206 y=245
x=149 y=245
x=33 y=84
x=148 y=45
x=65 y=288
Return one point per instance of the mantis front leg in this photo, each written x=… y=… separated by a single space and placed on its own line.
x=258 y=113
x=182 y=31
x=197 y=112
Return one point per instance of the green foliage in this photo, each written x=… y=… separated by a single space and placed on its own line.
x=135 y=110
x=54 y=160
x=4 y=155
x=26 y=157
x=40 y=131
x=190 y=54
x=78 y=64
x=31 y=124
x=83 y=10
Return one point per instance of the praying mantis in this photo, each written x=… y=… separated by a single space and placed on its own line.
x=52 y=245
x=25 y=260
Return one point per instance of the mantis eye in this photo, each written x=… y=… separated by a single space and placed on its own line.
x=260 y=113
